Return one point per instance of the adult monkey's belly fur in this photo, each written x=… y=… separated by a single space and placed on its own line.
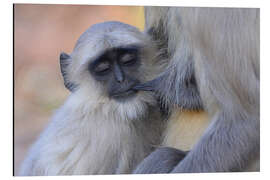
x=185 y=128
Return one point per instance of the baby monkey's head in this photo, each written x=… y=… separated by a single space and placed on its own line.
x=108 y=60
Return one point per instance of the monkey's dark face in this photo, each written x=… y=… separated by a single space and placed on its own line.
x=118 y=70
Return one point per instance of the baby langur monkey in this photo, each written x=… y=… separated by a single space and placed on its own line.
x=105 y=126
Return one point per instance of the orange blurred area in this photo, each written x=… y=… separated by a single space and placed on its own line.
x=41 y=32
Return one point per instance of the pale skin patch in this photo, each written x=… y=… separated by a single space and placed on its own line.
x=185 y=128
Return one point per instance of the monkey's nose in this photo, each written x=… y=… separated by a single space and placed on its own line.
x=119 y=76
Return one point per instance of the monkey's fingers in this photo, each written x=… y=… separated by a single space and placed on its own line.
x=143 y=87
x=148 y=86
x=162 y=160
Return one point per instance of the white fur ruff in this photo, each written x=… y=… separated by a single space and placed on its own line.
x=98 y=136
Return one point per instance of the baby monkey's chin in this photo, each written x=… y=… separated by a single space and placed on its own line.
x=125 y=96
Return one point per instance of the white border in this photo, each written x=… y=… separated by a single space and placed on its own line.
x=201 y=3
x=6 y=83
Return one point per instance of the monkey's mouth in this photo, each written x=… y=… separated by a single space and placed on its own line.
x=124 y=95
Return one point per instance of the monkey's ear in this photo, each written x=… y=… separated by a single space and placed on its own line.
x=65 y=60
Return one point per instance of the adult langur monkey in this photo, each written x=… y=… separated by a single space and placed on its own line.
x=213 y=76
x=105 y=126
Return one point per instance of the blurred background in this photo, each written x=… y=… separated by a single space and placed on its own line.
x=41 y=32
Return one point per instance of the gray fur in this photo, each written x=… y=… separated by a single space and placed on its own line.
x=222 y=45
x=92 y=133
x=177 y=59
x=162 y=160
x=186 y=95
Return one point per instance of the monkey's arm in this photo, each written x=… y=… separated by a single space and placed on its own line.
x=162 y=160
x=176 y=86
x=230 y=146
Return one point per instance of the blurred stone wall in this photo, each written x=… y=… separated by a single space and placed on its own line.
x=41 y=32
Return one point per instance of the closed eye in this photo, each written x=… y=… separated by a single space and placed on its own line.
x=102 y=68
x=128 y=59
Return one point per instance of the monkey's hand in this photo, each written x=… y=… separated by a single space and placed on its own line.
x=182 y=92
x=162 y=160
x=148 y=86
